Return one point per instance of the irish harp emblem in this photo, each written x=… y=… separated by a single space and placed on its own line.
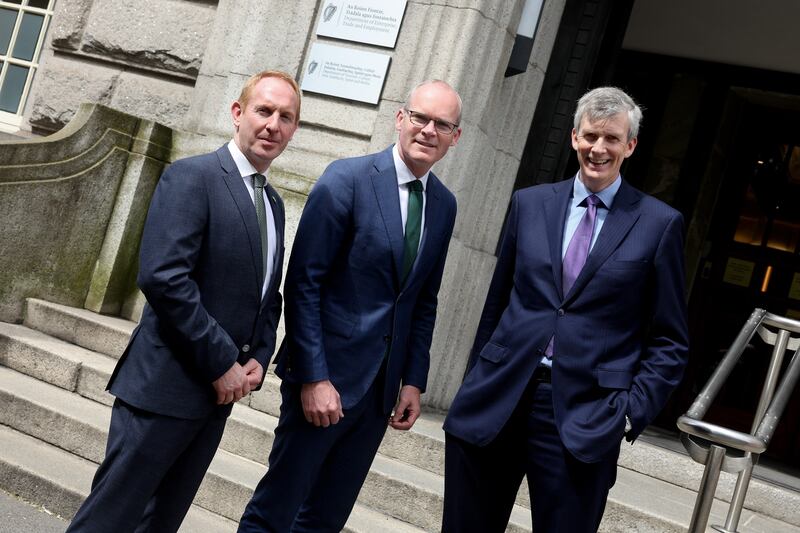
x=329 y=11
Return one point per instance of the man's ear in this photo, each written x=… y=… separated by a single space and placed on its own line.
x=236 y=113
x=631 y=146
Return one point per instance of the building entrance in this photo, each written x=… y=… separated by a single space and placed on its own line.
x=752 y=260
x=723 y=145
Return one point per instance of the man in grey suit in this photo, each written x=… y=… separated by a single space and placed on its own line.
x=210 y=266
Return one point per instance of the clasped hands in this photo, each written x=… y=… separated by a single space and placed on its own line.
x=322 y=405
x=238 y=381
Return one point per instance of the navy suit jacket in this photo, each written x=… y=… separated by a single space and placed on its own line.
x=345 y=303
x=200 y=270
x=620 y=333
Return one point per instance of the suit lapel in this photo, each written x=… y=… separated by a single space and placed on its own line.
x=279 y=217
x=247 y=211
x=620 y=219
x=384 y=183
x=555 y=213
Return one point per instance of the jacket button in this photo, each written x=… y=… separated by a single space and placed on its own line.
x=561 y=312
x=246 y=348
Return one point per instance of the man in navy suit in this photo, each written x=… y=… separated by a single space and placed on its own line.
x=583 y=337
x=361 y=294
x=210 y=266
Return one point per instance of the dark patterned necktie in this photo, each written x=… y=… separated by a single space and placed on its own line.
x=259 y=182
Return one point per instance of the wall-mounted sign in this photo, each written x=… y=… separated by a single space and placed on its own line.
x=363 y=21
x=738 y=272
x=345 y=72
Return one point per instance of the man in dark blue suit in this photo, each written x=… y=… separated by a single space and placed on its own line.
x=210 y=266
x=361 y=294
x=583 y=337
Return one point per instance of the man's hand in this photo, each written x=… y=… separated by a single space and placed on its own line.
x=254 y=372
x=232 y=386
x=407 y=409
x=321 y=403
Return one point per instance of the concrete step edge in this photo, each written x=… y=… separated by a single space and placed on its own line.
x=55 y=361
x=680 y=470
x=53 y=415
x=100 y=333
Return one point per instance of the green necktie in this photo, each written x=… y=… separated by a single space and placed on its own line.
x=413 y=226
x=259 y=182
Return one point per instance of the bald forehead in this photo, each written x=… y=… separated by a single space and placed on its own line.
x=441 y=95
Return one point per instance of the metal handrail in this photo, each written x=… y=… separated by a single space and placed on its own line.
x=721 y=448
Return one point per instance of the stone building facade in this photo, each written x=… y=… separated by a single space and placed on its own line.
x=181 y=63
x=712 y=76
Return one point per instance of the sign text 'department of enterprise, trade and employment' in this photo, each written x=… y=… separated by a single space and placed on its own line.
x=364 y=21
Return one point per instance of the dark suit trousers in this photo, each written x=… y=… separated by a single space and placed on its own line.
x=481 y=483
x=151 y=472
x=315 y=473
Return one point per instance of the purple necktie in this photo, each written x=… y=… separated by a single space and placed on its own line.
x=578 y=248
x=577 y=252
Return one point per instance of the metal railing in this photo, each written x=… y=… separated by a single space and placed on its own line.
x=728 y=450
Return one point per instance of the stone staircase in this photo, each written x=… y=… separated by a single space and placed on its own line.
x=54 y=416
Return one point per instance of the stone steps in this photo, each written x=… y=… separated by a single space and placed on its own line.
x=62 y=423
x=79 y=425
x=654 y=491
x=59 y=481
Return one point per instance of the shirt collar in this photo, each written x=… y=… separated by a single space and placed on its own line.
x=607 y=195
x=244 y=166
x=404 y=175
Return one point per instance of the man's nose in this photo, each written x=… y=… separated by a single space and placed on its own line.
x=430 y=128
x=599 y=145
x=272 y=121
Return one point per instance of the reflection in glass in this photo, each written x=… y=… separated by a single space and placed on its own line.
x=39 y=3
x=28 y=36
x=752 y=222
x=7 y=20
x=13 y=85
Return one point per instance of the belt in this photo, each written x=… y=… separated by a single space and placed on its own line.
x=542 y=374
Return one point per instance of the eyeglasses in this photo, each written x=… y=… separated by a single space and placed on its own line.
x=421 y=120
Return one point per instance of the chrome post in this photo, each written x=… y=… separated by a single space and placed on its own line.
x=708 y=486
x=710 y=444
x=767 y=427
x=703 y=401
x=743 y=480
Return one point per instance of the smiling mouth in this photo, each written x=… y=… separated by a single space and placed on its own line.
x=597 y=162
x=423 y=143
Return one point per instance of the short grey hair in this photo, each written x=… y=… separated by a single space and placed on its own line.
x=434 y=82
x=605 y=102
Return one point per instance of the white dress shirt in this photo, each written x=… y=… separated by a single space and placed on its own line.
x=246 y=170
x=404 y=177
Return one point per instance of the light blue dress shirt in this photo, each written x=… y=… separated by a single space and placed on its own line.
x=575 y=210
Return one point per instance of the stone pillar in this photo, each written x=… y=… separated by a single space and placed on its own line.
x=113 y=280
x=468 y=45
x=247 y=36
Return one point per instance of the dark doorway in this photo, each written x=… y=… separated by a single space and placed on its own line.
x=722 y=144
x=752 y=261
